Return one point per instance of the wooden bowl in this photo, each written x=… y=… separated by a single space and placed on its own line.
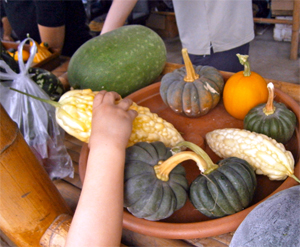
x=187 y=222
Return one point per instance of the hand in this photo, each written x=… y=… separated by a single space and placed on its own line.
x=111 y=122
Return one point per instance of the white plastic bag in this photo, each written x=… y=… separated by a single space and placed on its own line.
x=35 y=119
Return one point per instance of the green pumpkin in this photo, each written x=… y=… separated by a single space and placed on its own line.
x=273 y=119
x=221 y=189
x=145 y=195
x=192 y=91
x=226 y=190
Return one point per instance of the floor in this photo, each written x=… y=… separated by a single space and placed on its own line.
x=267 y=57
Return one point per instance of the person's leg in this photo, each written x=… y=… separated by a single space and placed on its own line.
x=226 y=60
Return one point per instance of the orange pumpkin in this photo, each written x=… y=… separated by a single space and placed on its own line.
x=42 y=52
x=244 y=90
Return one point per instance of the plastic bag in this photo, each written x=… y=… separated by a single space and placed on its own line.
x=35 y=119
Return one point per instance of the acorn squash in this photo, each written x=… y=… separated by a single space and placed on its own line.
x=273 y=119
x=192 y=91
x=149 y=192
x=221 y=189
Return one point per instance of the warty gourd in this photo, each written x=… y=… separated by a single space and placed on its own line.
x=267 y=156
x=74 y=115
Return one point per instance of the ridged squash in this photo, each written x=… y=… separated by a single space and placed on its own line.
x=123 y=60
x=153 y=188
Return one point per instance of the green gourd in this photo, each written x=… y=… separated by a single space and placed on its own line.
x=123 y=60
x=47 y=81
x=192 y=91
x=273 y=119
x=153 y=188
x=221 y=189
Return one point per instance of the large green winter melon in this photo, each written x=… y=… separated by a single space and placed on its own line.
x=123 y=60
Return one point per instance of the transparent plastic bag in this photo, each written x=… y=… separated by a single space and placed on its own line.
x=35 y=119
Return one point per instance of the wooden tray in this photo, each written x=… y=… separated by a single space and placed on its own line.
x=187 y=222
x=50 y=63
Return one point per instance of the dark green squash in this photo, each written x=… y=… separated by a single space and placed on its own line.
x=222 y=189
x=192 y=91
x=225 y=191
x=146 y=195
x=273 y=119
x=48 y=82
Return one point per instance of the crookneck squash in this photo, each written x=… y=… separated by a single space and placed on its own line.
x=273 y=119
x=244 y=90
x=221 y=189
x=192 y=91
x=153 y=188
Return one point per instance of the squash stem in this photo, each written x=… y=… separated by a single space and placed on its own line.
x=163 y=169
x=294 y=177
x=51 y=102
x=211 y=166
x=269 y=109
x=244 y=61
x=191 y=75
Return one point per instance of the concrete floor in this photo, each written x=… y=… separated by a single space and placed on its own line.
x=267 y=57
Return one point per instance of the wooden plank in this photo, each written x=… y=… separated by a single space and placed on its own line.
x=295 y=30
x=217 y=241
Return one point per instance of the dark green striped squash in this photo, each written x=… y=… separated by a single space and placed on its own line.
x=192 y=91
x=123 y=60
x=273 y=119
x=221 y=189
x=151 y=191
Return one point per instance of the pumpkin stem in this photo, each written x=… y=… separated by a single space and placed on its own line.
x=191 y=75
x=244 y=61
x=270 y=108
x=163 y=169
x=209 y=163
x=51 y=102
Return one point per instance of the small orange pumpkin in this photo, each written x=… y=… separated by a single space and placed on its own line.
x=244 y=90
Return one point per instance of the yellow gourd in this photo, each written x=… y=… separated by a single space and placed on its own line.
x=244 y=90
x=74 y=115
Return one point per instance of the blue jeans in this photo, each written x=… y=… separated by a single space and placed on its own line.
x=225 y=60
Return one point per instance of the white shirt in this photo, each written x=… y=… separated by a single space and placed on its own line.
x=222 y=24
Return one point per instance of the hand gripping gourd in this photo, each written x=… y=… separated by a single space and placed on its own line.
x=74 y=115
x=267 y=156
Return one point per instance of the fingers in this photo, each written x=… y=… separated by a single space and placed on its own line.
x=111 y=98
x=125 y=104
x=106 y=97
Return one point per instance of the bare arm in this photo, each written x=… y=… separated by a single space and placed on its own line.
x=98 y=217
x=7 y=30
x=117 y=14
x=54 y=36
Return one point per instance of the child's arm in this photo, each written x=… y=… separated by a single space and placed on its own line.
x=117 y=14
x=98 y=217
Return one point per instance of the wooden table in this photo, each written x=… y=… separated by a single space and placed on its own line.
x=37 y=210
x=70 y=188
